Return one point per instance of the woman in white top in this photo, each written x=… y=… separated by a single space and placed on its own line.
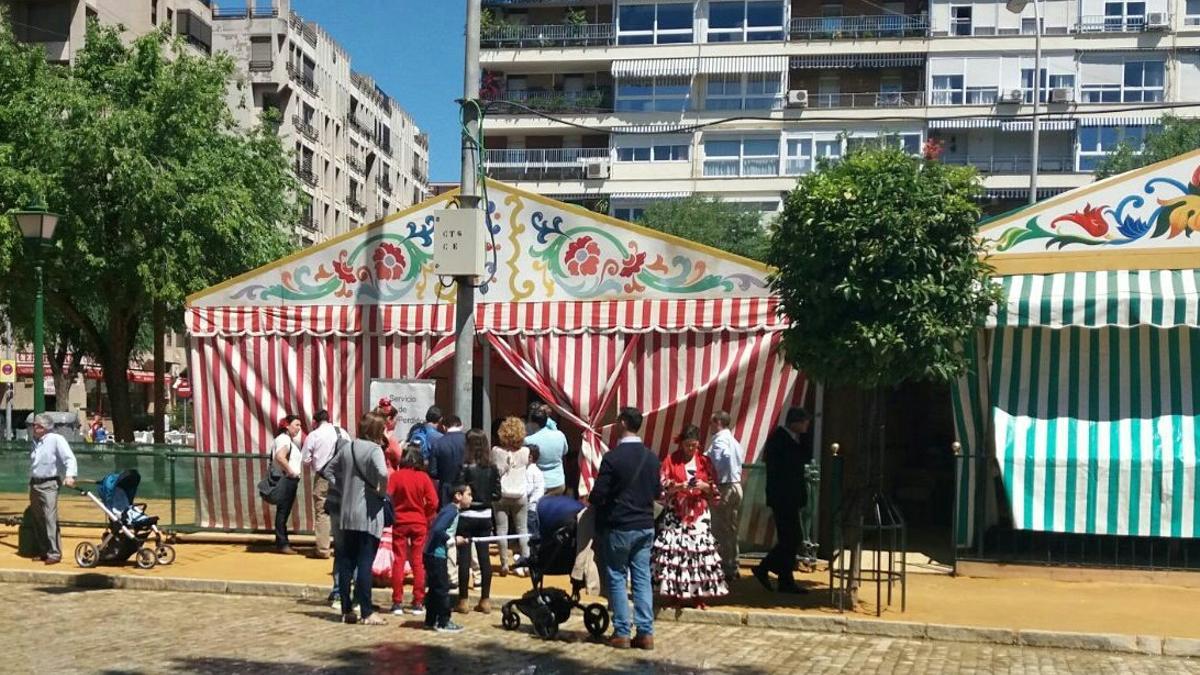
x=512 y=459
x=286 y=456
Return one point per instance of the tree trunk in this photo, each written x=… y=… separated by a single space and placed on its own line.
x=160 y=391
x=59 y=373
x=863 y=471
x=114 y=358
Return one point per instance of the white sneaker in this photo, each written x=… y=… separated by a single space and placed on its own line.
x=416 y=610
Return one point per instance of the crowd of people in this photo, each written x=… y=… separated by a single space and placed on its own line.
x=665 y=523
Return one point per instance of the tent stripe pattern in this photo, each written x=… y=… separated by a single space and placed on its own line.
x=1162 y=298
x=1096 y=430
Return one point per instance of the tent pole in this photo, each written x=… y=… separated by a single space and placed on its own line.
x=464 y=314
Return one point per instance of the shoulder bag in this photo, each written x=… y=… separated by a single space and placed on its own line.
x=389 y=511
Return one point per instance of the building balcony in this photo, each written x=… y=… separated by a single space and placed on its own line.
x=522 y=164
x=859 y=27
x=514 y=36
x=304 y=79
x=877 y=99
x=384 y=184
x=245 y=13
x=385 y=146
x=355 y=205
x=305 y=173
x=535 y=3
x=306 y=130
x=996 y=164
x=358 y=125
x=356 y=164
x=308 y=222
x=597 y=99
x=1153 y=21
x=262 y=66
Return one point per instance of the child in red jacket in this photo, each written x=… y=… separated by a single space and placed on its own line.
x=415 y=501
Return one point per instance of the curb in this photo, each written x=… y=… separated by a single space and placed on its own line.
x=1109 y=642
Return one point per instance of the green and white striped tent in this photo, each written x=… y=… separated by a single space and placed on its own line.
x=1083 y=391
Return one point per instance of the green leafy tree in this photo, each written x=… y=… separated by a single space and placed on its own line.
x=705 y=220
x=1177 y=136
x=878 y=264
x=161 y=194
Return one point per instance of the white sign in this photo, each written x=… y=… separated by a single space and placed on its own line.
x=410 y=398
x=458 y=242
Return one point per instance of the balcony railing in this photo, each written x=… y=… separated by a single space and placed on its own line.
x=513 y=36
x=546 y=157
x=385 y=145
x=1013 y=164
x=304 y=79
x=245 y=13
x=261 y=66
x=308 y=222
x=384 y=184
x=306 y=130
x=879 y=99
x=1121 y=24
x=358 y=125
x=356 y=206
x=356 y=164
x=597 y=99
x=859 y=27
x=305 y=173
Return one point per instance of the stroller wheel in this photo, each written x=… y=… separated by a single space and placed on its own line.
x=86 y=555
x=509 y=618
x=547 y=627
x=145 y=558
x=595 y=619
x=164 y=554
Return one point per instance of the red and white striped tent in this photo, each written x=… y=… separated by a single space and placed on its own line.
x=588 y=311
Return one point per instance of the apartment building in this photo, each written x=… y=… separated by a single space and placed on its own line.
x=358 y=154
x=60 y=26
x=811 y=78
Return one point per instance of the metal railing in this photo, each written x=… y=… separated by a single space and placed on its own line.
x=261 y=66
x=305 y=173
x=245 y=13
x=302 y=78
x=858 y=27
x=543 y=157
x=384 y=184
x=1014 y=164
x=1098 y=23
x=595 y=99
x=889 y=99
x=306 y=130
x=514 y=36
x=356 y=206
x=358 y=125
x=356 y=164
x=308 y=222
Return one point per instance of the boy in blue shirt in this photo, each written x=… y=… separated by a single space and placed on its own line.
x=437 y=583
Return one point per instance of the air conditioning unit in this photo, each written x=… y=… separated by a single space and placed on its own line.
x=797 y=98
x=1012 y=96
x=1062 y=95
x=1156 y=20
x=597 y=170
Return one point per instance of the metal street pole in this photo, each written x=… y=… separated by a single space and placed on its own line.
x=464 y=315
x=11 y=393
x=1037 y=100
x=39 y=372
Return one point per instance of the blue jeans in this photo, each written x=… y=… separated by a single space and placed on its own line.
x=355 y=555
x=629 y=550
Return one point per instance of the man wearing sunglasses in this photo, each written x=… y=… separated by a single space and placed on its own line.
x=51 y=464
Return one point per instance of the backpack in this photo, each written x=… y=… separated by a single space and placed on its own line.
x=419 y=433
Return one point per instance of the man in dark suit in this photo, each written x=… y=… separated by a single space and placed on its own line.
x=446 y=457
x=787 y=450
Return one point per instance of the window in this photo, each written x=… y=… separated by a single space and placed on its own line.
x=1143 y=82
x=1047 y=83
x=672 y=153
x=947 y=89
x=1193 y=13
x=799 y=156
x=908 y=142
x=1128 y=82
x=741 y=157
x=982 y=95
x=653 y=94
x=1096 y=142
x=629 y=213
x=659 y=24
x=960 y=20
x=1124 y=16
x=756 y=91
x=745 y=21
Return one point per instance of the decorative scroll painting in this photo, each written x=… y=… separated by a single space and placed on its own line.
x=537 y=250
x=1155 y=208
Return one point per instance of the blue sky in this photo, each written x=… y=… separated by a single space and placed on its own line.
x=414 y=50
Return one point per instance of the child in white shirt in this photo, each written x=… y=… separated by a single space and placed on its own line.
x=535 y=489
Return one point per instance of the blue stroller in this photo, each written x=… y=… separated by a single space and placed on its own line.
x=129 y=527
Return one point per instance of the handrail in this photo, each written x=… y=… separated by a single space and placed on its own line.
x=876 y=99
x=864 y=26
x=519 y=157
x=549 y=35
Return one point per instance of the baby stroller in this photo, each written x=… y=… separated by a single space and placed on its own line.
x=129 y=527
x=548 y=608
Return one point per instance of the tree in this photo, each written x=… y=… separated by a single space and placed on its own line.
x=1178 y=135
x=160 y=193
x=879 y=268
x=716 y=223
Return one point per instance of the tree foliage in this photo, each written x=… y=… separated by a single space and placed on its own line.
x=720 y=224
x=878 y=264
x=1178 y=136
x=160 y=193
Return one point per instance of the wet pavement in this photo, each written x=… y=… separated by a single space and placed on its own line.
x=116 y=631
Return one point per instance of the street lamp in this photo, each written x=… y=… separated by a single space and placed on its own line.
x=1017 y=7
x=37 y=227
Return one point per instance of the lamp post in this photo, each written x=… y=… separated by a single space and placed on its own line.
x=37 y=228
x=1017 y=7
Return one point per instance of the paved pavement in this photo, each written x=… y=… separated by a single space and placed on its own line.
x=52 y=629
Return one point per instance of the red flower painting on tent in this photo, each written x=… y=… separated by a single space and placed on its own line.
x=582 y=257
x=389 y=262
x=342 y=270
x=633 y=264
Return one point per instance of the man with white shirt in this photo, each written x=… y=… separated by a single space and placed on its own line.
x=727 y=457
x=315 y=454
x=51 y=464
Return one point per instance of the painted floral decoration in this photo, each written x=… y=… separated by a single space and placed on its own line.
x=582 y=257
x=633 y=264
x=389 y=262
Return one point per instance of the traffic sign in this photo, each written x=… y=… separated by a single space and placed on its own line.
x=183 y=388
x=8 y=371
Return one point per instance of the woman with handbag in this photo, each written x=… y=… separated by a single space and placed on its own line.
x=363 y=510
x=476 y=521
x=285 y=461
x=511 y=458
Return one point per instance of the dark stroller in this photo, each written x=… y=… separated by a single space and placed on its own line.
x=547 y=608
x=129 y=527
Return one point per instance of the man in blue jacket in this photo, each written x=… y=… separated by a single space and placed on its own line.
x=623 y=496
x=446 y=457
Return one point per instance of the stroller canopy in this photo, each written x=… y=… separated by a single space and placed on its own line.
x=118 y=489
